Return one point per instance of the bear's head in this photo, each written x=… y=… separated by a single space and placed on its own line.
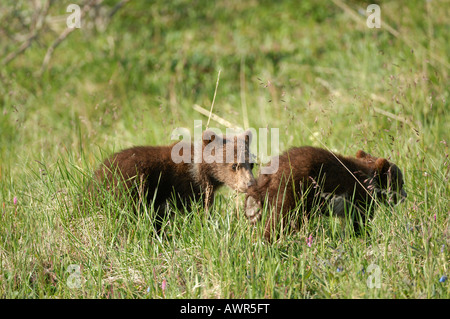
x=228 y=159
x=387 y=179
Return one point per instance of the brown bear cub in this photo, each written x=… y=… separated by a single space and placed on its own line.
x=179 y=174
x=310 y=177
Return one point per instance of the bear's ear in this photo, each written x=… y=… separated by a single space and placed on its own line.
x=209 y=136
x=382 y=165
x=362 y=154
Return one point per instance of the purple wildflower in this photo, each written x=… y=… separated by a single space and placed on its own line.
x=309 y=241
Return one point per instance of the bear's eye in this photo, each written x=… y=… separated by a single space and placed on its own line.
x=252 y=165
x=234 y=167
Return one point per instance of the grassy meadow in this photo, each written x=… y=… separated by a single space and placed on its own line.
x=312 y=69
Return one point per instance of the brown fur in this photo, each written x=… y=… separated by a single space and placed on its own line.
x=314 y=177
x=149 y=174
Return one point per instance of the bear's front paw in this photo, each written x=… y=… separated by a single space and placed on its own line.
x=252 y=210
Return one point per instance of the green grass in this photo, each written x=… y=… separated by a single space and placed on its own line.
x=304 y=67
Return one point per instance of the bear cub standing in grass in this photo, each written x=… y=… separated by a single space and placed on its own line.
x=318 y=178
x=177 y=174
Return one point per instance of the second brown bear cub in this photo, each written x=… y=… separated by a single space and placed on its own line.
x=159 y=175
x=310 y=177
